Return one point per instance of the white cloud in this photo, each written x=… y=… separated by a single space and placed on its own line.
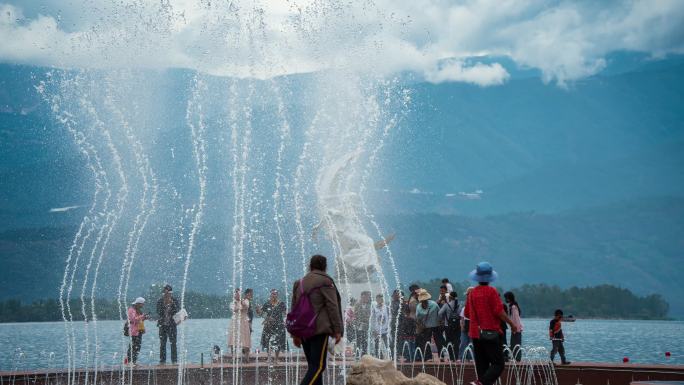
x=565 y=40
x=480 y=74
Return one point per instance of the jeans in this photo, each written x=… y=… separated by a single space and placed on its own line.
x=407 y=347
x=362 y=341
x=168 y=332
x=558 y=347
x=489 y=360
x=465 y=340
x=515 y=345
x=134 y=348
x=424 y=338
x=316 y=352
x=453 y=340
x=380 y=349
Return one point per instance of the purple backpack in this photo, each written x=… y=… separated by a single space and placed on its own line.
x=301 y=320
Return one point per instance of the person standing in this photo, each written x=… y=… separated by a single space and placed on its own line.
x=452 y=326
x=441 y=301
x=514 y=314
x=557 y=337
x=427 y=320
x=406 y=333
x=273 y=336
x=380 y=320
x=362 y=311
x=413 y=300
x=449 y=286
x=239 y=336
x=136 y=329
x=326 y=302
x=504 y=339
x=395 y=310
x=249 y=294
x=485 y=310
x=465 y=326
x=167 y=307
x=350 y=320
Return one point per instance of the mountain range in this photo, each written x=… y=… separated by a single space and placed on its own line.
x=580 y=185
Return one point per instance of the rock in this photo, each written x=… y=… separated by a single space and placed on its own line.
x=422 y=379
x=374 y=371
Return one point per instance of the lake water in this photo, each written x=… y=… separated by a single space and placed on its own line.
x=41 y=345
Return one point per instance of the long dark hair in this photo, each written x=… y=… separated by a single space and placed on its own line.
x=510 y=298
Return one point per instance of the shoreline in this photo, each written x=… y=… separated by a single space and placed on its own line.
x=256 y=372
x=577 y=319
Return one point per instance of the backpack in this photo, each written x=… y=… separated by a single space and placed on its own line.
x=301 y=320
x=454 y=318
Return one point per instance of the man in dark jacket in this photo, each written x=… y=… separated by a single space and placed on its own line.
x=167 y=307
x=325 y=299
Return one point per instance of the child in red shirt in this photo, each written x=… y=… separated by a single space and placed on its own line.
x=556 y=336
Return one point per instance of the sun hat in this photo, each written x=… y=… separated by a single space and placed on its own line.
x=483 y=273
x=423 y=295
x=139 y=300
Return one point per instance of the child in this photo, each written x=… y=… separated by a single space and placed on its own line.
x=556 y=336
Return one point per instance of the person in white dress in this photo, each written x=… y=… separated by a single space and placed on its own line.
x=239 y=335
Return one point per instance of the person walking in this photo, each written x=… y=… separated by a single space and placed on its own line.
x=465 y=326
x=325 y=300
x=136 y=329
x=167 y=307
x=273 y=336
x=427 y=320
x=557 y=337
x=452 y=324
x=514 y=314
x=362 y=311
x=380 y=320
x=485 y=310
x=239 y=336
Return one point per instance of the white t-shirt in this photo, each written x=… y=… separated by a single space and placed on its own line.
x=379 y=319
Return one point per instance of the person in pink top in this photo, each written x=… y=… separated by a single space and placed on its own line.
x=514 y=314
x=136 y=328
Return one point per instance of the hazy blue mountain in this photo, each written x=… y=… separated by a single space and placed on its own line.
x=571 y=186
x=636 y=245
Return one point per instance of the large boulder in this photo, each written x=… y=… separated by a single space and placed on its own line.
x=374 y=371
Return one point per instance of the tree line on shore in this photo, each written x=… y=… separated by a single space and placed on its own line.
x=601 y=301
x=538 y=300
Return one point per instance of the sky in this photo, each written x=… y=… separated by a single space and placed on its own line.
x=564 y=40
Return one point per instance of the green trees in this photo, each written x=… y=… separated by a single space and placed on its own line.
x=602 y=301
x=538 y=300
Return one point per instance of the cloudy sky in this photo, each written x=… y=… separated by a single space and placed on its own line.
x=565 y=40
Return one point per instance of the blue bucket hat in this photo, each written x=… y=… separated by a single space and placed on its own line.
x=484 y=272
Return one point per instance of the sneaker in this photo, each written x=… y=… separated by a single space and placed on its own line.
x=475 y=383
x=566 y=363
